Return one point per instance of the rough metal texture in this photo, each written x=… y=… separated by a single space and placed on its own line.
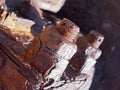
x=81 y=69
x=13 y=65
x=50 y=55
x=103 y=16
x=46 y=54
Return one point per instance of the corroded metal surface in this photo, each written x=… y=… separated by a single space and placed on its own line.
x=45 y=61
x=60 y=57
x=81 y=68
x=53 y=44
x=15 y=53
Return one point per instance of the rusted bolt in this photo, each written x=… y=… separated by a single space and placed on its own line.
x=95 y=38
x=57 y=46
x=88 y=51
x=68 y=30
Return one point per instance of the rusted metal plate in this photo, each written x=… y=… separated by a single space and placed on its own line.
x=44 y=60
x=10 y=77
x=17 y=65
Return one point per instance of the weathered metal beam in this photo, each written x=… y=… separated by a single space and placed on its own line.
x=16 y=53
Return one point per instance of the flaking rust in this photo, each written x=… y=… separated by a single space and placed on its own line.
x=49 y=54
x=88 y=47
x=57 y=48
x=54 y=51
x=83 y=62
